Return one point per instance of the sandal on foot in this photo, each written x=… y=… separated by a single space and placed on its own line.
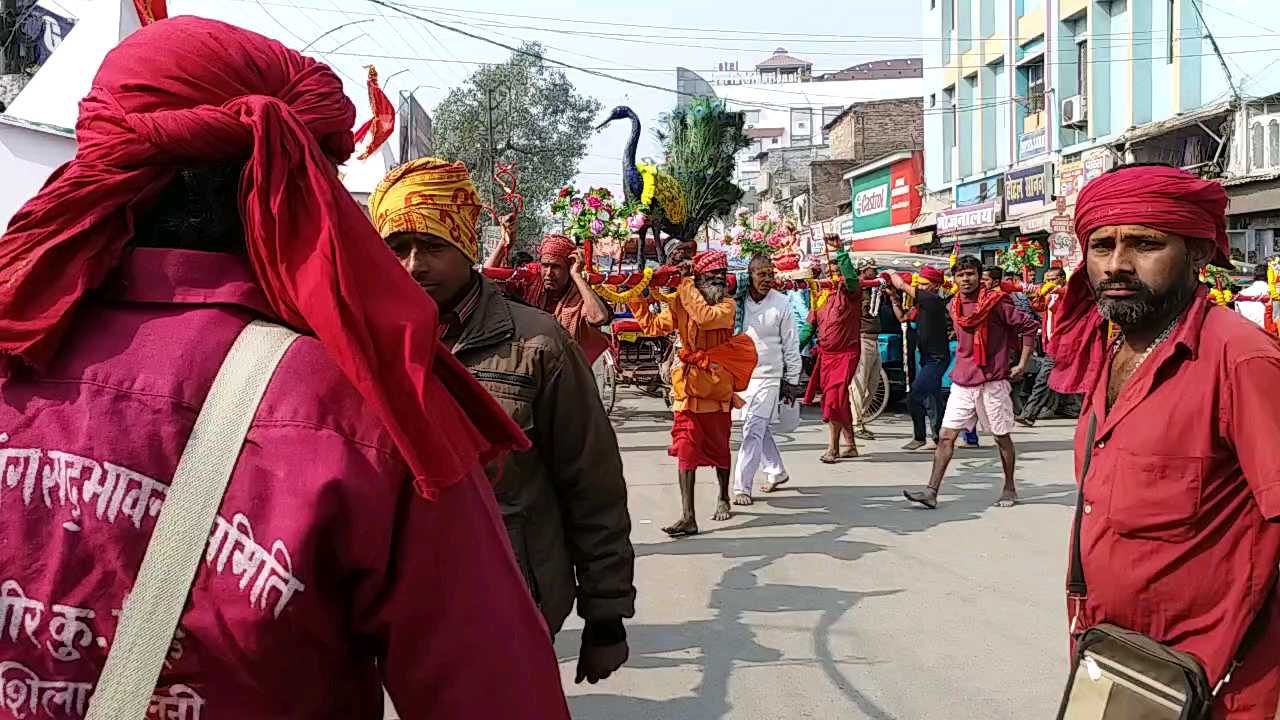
x=742 y=499
x=1005 y=502
x=829 y=459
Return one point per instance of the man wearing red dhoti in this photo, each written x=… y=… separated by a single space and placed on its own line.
x=837 y=317
x=357 y=545
x=1179 y=513
x=714 y=365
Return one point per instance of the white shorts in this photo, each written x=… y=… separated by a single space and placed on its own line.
x=991 y=404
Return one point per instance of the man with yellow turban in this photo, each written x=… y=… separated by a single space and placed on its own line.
x=564 y=501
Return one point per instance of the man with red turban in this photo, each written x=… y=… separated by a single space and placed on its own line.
x=929 y=313
x=357 y=544
x=564 y=293
x=714 y=365
x=1179 y=513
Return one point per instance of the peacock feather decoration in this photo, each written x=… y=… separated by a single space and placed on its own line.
x=694 y=183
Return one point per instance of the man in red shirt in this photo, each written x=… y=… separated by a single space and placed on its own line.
x=1179 y=537
x=986 y=323
x=343 y=558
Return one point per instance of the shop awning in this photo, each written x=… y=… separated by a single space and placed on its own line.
x=1177 y=122
x=1253 y=197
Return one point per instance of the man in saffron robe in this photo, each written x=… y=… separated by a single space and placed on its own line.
x=714 y=365
x=837 y=316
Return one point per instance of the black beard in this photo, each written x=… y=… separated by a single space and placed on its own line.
x=1146 y=309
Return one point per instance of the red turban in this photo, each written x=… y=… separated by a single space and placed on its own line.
x=1155 y=196
x=189 y=91
x=556 y=248
x=710 y=261
x=932 y=274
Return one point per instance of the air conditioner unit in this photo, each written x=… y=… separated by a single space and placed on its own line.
x=1074 y=111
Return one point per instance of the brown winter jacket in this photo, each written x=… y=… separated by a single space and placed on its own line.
x=564 y=501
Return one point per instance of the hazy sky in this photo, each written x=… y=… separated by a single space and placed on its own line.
x=597 y=35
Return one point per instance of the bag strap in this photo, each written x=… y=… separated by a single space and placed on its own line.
x=1076 y=585
x=1079 y=589
x=150 y=615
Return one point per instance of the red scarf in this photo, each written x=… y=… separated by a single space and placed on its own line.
x=1158 y=197
x=976 y=323
x=187 y=91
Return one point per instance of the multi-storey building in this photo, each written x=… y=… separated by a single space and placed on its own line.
x=1027 y=100
x=788 y=105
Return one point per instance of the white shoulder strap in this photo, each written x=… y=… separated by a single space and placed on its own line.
x=150 y=616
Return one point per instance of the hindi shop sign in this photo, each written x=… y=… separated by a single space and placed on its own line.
x=1025 y=190
x=1033 y=143
x=983 y=216
x=1077 y=171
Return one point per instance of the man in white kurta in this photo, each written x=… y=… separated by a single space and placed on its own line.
x=767 y=319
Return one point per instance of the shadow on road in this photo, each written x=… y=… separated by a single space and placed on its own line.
x=725 y=642
x=821 y=517
x=719 y=645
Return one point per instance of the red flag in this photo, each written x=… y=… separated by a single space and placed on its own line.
x=150 y=11
x=383 y=122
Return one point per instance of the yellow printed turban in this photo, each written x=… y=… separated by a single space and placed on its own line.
x=429 y=196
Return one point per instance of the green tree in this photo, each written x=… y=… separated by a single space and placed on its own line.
x=539 y=121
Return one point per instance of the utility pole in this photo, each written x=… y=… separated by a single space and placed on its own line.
x=1235 y=92
x=493 y=149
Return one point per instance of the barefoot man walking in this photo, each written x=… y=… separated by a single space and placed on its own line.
x=767 y=319
x=714 y=364
x=837 y=315
x=984 y=320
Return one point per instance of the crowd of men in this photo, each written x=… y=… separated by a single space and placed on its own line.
x=430 y=485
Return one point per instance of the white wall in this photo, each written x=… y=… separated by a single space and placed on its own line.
x=27 y=158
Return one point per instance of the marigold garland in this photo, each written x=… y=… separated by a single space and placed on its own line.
x=649 y=174
x=1221 y=297
x=818 y=297
x=612 y=295
x=664 y=297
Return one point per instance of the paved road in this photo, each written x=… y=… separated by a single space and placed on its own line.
x=833 y=598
